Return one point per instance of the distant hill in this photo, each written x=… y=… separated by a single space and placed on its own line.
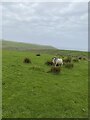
x=20 y=46
x=23 y=46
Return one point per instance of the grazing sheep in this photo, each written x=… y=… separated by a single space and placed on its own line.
x=57 y=61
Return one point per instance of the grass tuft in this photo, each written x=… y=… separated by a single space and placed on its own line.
x=36 y=68
x=75 y=60
x=38 y=54
x=27 y=60
x=56 y=69
x=48 y=62
x=69 y=65
x=67 y=59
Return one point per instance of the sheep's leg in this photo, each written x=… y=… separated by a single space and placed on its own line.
x=55 y=65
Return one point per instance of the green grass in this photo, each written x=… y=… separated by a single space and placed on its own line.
x=30 y=92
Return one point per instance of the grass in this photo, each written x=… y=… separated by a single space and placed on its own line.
x=30 y=92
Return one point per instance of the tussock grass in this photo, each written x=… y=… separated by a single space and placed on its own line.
x=67 y=59
x=49 y=62
x=36 y=68
x=27 y=60
x=38 y=54
x=75 y=60
x=56 y=69
x=69 y=65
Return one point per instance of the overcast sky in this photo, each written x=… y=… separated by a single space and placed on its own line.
x=62 y=25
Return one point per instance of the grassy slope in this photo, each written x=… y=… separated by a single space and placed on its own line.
x=29 y=92
x=23 y=46
x=8 y=45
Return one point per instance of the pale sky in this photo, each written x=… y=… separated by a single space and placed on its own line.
x=63 y=25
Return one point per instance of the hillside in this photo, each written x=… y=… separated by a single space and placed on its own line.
x=23 y=46
x=19 y=46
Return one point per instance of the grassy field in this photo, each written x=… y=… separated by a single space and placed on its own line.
x=30 y=92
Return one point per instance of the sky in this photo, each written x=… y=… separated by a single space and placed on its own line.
x=63 y=25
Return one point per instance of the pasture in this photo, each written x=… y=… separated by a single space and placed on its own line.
x=29 y=91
